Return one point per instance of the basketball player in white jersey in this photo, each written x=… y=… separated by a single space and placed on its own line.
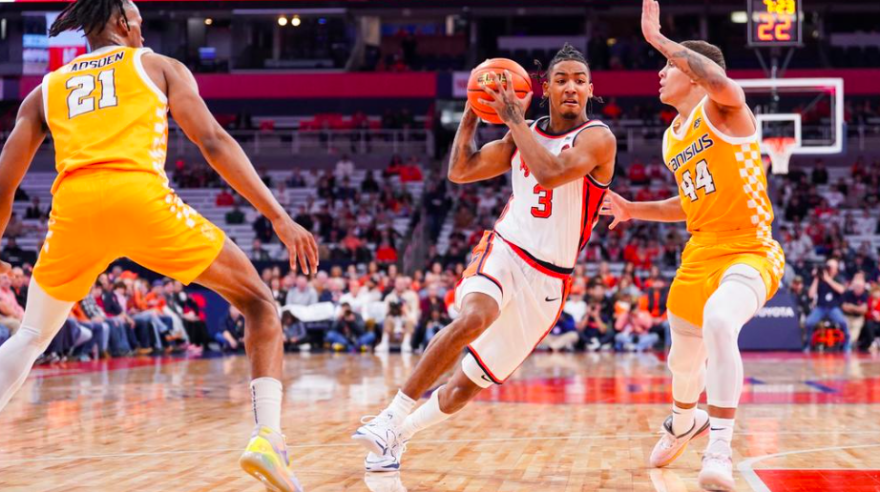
x=514 y=289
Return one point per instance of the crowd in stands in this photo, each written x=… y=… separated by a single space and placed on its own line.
x=827 y=233
x=362 y=302
x=123 y=315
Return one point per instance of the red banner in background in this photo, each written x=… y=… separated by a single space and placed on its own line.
x=62 y=55
x=640 y=83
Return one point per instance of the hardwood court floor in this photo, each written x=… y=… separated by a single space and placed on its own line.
x=563 y=423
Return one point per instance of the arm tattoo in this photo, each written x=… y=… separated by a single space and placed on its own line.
x=694 y=64
x=512 y=112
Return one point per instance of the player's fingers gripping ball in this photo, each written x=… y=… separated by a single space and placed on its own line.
x=490 y=73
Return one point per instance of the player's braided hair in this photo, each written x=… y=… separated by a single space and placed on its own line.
x=88 y=15
x=566 y=53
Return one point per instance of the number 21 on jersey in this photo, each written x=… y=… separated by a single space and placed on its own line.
x=704 y=181
x=81 y=99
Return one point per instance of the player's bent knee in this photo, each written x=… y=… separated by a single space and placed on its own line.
x=718 y=327
x=472 y=323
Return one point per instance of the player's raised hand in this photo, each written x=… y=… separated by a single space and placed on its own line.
x=511 y=109
x=300 y=244
x=651 y=20
x=617 y=207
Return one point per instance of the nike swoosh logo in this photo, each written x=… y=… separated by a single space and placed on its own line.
x=485 y=378
x=551 y=300
x=714 y=429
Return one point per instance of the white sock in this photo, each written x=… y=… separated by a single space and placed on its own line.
x=401 y=406
x=682 y=419
x=720 y=435
x=426 y=416
x=266 y=395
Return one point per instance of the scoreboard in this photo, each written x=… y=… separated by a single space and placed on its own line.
x=774 y=23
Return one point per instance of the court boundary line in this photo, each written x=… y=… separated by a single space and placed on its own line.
x=746 y=467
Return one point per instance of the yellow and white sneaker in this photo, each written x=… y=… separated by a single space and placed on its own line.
x=266 y=459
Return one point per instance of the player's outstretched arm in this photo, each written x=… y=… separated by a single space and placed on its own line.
x=24 y=141
x=551 y=171
x=227 y=157
x=623 y=210
x=467 y=163
x=720 y=88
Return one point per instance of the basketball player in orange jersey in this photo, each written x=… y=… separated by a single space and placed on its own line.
x=513 y=291
x=107 y=112
x=731 y=265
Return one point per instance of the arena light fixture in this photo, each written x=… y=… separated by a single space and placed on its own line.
x=296 y=21
x=209 y=21
x=282 y=21
x=739 y=17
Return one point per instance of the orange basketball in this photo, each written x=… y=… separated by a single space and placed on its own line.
x=522 y=85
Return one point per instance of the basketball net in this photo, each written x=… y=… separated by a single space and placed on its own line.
x=779 y=149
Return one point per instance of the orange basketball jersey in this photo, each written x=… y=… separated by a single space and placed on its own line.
x=104 y=112
x=721 y=180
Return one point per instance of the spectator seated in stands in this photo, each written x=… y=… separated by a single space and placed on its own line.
x=855 y=308
x=369 y=185
x=402 y=314
x=563 y=335
x=302 y=294
x=35 y=211
x=98 y=346
x=596 y=330
x=12 y=253
x=653 y=302
x=295 y=333
x=633 y=327
x=437 y=319
x=235 y=216
x=296 y=180
x=411 y=171
x=231 y=338
x=225 y=198
x=19 y=285
x=117 y=337
x=263 y=228
x=349 y=332
x=872 y=323
x=258 y=253
x=827 y=290
x=344 y=168
x=11 y=313
x=187 y=309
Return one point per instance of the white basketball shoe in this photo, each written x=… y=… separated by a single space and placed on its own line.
x=670 y=446
x=717 y=472
x=380 y=435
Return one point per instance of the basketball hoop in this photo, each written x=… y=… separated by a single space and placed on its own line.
x=779 y=149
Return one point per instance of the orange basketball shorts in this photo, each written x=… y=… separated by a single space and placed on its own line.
x=703 y=264
x=99 y=216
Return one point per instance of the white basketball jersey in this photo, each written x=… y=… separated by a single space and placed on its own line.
x=552 y=226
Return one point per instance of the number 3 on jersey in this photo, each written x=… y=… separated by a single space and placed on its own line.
x=704 y=181
x=81 y=101
x=545 y=200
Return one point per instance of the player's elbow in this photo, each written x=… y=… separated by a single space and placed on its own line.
x=548 y=180
x=457 y=172
x=212 y=141
x=455 y=175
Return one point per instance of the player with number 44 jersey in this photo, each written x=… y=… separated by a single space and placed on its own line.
x=731 y=265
